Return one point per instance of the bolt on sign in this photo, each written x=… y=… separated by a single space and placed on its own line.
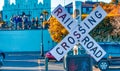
x=78 y=33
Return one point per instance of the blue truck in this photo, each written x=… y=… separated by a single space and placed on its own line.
x=112 y=58
x=24 y=41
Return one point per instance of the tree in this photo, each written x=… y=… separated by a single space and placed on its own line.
x=56 y=30
x=116 y=25
x=114 y=1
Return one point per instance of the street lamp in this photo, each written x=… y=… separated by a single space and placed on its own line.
x=42 y=48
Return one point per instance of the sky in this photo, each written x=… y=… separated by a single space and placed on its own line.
x=54 y=3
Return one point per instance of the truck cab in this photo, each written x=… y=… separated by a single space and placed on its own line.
x=2 y=57
x=112 y=58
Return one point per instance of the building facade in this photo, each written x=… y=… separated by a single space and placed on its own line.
x=31 y=8
x=86 y=7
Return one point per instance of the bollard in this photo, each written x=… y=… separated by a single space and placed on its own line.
x=46 y=64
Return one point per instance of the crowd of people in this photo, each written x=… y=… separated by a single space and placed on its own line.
x=22 y=23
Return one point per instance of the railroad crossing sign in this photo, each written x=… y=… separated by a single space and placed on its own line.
x=78 y=33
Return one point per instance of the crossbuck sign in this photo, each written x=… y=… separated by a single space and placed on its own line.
x=78 y=33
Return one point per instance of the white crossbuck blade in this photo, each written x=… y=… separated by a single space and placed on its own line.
x=78 y=33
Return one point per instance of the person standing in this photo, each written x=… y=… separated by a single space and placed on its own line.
x=25 y=22
x=11 y=22
x=19 y=25
x=33 y=23
x=37 y=22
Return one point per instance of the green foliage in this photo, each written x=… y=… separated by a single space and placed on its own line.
x=104 y=31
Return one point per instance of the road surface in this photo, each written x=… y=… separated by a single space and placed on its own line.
x=32 y=62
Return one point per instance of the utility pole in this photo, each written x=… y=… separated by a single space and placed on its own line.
x=42 y=47
x=64 y=2
x=77 y=7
